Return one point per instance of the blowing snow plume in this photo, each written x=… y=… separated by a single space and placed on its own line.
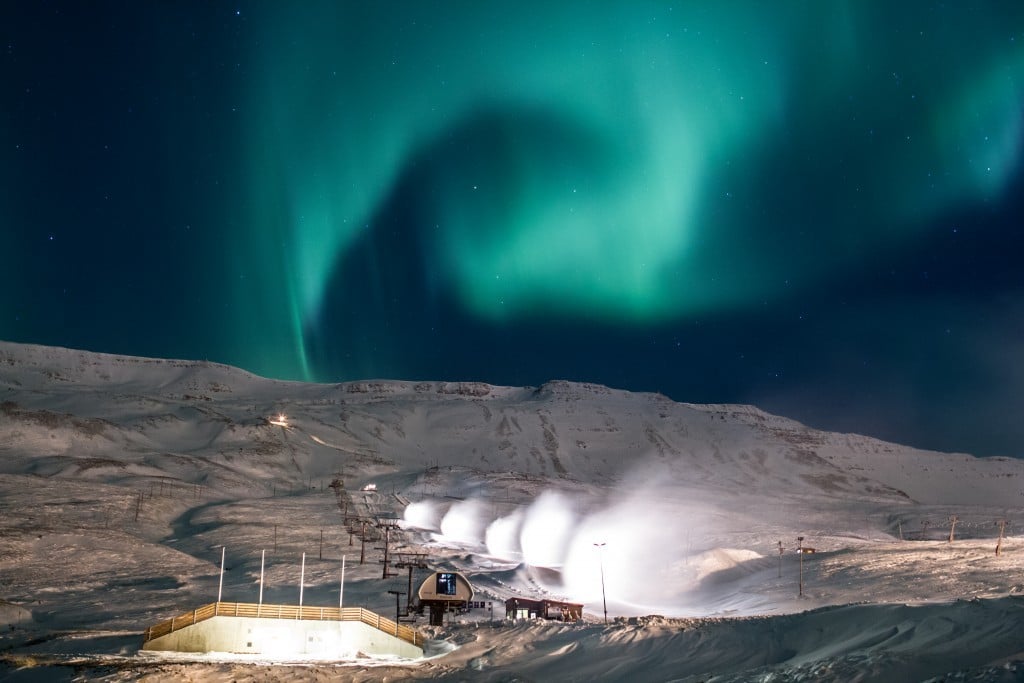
x=464 y=523
x=652 y=558
x=423 y=514
x=655 y=555
x=502 y=537
x=547 y=529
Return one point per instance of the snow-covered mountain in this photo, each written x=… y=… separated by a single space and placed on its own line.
x=121 y=478
x=67 y=411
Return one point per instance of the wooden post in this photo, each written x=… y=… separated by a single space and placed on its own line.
x=952 y=527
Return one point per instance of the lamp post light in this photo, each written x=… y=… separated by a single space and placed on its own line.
x=800 y=550
x=600 y=560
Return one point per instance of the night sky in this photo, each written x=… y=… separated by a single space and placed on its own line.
x=812 y=207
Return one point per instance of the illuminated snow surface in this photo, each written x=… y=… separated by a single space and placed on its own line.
x=121 y=478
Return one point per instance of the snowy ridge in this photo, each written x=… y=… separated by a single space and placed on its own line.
x=124 y=476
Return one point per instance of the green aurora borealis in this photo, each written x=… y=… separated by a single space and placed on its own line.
x=515 y=192
x=626 y=200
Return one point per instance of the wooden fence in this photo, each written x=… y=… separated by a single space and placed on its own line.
x=265 y=611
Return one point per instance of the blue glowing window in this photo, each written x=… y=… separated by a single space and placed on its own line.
x=446 y=583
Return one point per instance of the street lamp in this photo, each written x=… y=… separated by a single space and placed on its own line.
x=800 y=549
x=600 y=560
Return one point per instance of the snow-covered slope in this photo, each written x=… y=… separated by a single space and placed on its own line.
x=121 y=477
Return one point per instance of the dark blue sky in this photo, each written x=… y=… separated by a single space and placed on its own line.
x=814 y=210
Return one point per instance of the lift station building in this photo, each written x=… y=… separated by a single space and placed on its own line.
x=443 y=592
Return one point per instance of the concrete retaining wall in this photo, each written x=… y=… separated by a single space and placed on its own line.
x=284 y=638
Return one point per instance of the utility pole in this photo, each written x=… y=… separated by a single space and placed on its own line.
x=780 y=559
x=411 y=561
x=800 y=551
x=387 y=524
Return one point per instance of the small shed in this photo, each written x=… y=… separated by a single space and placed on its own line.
x=444 y=591
x=522 y=608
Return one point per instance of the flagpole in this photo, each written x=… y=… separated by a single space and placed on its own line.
x=263 y=559
x=341 y=591
x=220 y=588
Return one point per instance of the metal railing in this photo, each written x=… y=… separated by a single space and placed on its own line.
x=265 y=611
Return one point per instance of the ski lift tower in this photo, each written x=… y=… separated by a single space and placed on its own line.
x=410 y=561
x=387 y=525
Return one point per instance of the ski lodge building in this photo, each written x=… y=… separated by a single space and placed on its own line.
x=523 y=608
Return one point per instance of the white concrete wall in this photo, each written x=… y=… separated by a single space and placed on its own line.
x=285 y=638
